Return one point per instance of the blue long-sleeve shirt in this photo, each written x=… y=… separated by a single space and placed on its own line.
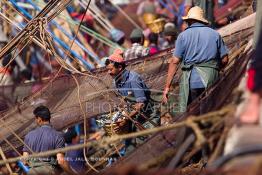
x=131 y=84
x=198 y=44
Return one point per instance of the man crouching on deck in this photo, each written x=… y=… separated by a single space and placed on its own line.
x=202 y=53
x=130 y=85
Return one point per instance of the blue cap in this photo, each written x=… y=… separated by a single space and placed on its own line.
x=116 y=35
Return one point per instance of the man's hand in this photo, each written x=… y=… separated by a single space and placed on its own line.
x=165 y=97
x=138 y=106
x=224 y=61
x=120 y=124
x=64 y=164
x=25 y=154
x=97 y=135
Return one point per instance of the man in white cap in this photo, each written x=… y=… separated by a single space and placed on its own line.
x=202 y=52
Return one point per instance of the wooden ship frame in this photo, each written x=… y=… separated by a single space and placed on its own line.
x=70 y=103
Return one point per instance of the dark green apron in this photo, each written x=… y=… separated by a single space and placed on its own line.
x=209 y=73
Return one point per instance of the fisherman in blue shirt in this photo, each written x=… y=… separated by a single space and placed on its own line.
x=202 y=54
x=45 y=138
x=130 y=85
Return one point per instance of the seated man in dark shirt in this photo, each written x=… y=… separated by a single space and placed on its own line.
x=41 y=139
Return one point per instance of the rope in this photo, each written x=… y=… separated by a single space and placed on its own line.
x=88 y=65
x=85 y=123
x=88 y=31
x=56 y=56
x=16 y=39
x=12 y=22
x=43 y=38
x=97 y=17
x=101 y=143
x=69 y=36
x=78 y=90
x=58 y=59
x=14 y=57
x=19 y=28
x=101 y=15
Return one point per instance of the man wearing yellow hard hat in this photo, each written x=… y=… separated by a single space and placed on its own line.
x=201 y=52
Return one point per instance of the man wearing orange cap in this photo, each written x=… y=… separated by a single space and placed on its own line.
x=202 y=52
x=131 y=86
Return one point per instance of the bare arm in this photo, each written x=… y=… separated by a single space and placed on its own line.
x=174 y=61
x=137 y=108
x=172 y=68
x=25 y=154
